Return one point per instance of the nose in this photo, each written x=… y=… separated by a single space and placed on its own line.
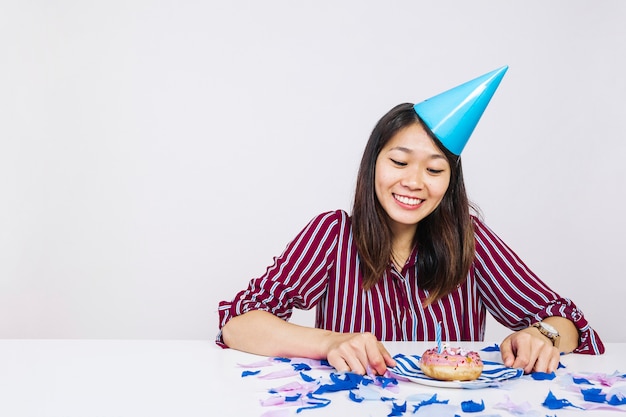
x=413 y=180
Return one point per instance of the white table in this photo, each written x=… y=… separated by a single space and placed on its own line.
x=67 y=378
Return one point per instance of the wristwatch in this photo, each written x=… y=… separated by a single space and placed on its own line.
x=548 y=331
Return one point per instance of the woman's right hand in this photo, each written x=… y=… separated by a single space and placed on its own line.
x=358 y=353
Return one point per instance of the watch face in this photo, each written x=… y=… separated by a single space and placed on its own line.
x=549 y=328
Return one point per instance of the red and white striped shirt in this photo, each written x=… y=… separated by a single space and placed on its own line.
x=320 y=268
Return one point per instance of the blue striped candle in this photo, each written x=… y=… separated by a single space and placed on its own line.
x=438 y=336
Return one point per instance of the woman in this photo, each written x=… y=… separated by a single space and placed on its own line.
x=410 y=256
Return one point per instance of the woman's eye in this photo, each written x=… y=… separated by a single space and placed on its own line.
x=398 y=163
x=435 y=171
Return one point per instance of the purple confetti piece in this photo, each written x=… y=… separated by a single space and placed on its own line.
x=601 y=378
x=472 y=407
x=273 y=401
x=277 y=413
x=279 y=374
x=291 y=387
x=259 y=364
x=513 y=408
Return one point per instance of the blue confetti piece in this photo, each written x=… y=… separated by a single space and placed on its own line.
x=494 y=348
x=301 y=367
x=472 y=407
x=315 y=402
x=543 y=376
x=554 y=403
x=397 y=409
x=349 y=382
x=354 y=397
x=279 y=359
x=617 y=400
x=432 y=400
x=306 y=377
x=385 y=382
x=581 y=381
x=248 y=373
x=293 y=398
x=594 y=395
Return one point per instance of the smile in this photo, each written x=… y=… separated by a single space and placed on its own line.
x=408 y=200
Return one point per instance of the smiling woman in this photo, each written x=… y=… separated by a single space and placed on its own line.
x=412 y=174
x=410 y=258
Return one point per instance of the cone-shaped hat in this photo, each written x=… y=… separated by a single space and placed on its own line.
x=453 y=114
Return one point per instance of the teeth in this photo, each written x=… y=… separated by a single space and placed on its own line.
x=408 y=200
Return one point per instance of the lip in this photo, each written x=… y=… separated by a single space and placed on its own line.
x=407 y=201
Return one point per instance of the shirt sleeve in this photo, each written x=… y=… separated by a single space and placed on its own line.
x=297 y=278
x=516 y=297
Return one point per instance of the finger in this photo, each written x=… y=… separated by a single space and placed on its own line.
x=389 y=360
x=542 y=363
x=338 y=362
x=554 y=362
x=356 y=365
x=506 y=351
x=375 y=357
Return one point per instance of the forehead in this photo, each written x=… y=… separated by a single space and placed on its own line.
x=413 y=139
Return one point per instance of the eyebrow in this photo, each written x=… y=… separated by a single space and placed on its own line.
x=408 y=150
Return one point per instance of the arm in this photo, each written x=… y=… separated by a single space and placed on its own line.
x=263 y=333
x=517 y=298
x=256 y=319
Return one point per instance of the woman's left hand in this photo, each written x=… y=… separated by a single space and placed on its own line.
x=530 y=350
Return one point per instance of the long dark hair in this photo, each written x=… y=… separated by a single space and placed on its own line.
x=445 y=238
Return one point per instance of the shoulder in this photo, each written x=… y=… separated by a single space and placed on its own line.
x=480 y=228
x=334 y=216
x=484 y=237
x=335 y=219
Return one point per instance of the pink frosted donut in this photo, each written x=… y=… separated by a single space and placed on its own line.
x=452 y=364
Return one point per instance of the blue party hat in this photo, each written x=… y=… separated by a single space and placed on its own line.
x=453 y=114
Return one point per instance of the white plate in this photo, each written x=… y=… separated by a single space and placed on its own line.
x=494 y=374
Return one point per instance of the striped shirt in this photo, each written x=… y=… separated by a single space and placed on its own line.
x=320 y=268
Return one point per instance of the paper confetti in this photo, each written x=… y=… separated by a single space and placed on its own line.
x=472 y=407
x=554 y=403
x=513 y=408
x=492 y=348
x=430 y=401
x=541 y=376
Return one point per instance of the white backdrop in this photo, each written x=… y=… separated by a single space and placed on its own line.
x=155 y=155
